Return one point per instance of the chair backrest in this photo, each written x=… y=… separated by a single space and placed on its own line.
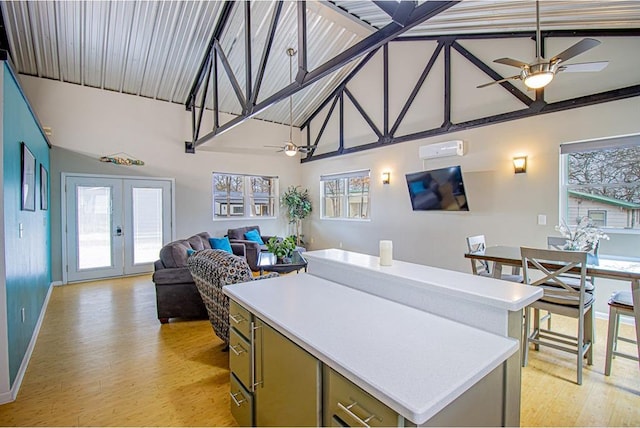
x=477 y=244
x=553 y=264
x=211 y=271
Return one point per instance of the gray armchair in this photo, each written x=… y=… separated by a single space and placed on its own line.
x=252 y=248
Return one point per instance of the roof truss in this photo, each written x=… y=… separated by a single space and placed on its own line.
x=389 y=134
x=406 y=15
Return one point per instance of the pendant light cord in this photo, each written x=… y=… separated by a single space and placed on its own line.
x=538 y=39
x=291 y=53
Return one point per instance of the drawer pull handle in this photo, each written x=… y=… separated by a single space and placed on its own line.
x=235 y=400
x=364 y=422
x=237 y=318
x=235 y=350
x=254 y=382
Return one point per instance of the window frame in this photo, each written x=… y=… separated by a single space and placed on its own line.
x=344 y=196
x=247 y=198
x=609 y=143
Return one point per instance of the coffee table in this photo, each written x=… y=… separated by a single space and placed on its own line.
x=268 y=262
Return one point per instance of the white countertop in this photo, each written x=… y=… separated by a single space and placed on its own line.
x=500 y=294
x=413 y=361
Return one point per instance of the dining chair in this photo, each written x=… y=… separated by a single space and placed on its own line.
x=558 y=298
x=481 y=267
x=620 y=303
x=558 y=243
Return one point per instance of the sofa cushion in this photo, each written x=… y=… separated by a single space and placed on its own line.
x=254 y=235
x=200 y=241
x=174 y=254
x=238 y=233
x=221 y=244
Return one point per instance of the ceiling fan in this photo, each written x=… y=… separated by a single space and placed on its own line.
x=541 y=72
x=290 y=148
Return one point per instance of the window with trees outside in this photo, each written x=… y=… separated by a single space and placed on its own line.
x=345 y=196
x=240 y=195
x=601 y=180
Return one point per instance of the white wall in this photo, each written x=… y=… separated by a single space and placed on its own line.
x=503 y=206
x=88 y=123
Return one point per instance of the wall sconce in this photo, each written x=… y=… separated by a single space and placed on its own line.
x=519 y=164
x=386 y=177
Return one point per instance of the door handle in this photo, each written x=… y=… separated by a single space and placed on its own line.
x=118 y=231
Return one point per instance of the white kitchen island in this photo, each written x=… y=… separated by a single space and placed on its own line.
x=422 y=365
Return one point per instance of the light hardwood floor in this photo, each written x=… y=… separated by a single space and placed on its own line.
x=103 y=359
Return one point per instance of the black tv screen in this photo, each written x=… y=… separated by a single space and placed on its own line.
x=437 y=189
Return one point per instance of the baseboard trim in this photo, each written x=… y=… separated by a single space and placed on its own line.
x=57 y=283
x=10 y=396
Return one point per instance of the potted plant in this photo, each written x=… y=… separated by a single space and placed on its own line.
x=584 y=237
x=282 y=249
x=298 y=205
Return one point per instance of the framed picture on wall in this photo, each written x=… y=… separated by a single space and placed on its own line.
x=44 y=188
x=28 y=169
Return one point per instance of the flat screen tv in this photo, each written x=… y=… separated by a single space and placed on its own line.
x=438 y=189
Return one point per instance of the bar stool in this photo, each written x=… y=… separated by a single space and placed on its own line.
x=620 y=303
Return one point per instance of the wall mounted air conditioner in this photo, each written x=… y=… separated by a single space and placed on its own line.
x=440 y=150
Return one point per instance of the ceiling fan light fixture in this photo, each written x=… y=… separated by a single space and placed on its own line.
x=538 y=80
x=290 y=149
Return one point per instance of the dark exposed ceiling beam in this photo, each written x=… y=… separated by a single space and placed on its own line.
x=225 y=15
x=419 y=14
x=584 y=101
x=4 y=39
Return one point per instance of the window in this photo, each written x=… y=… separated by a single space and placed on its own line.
x=345 y=196
x=598 y=217
x=239 y=195
x=601 y=180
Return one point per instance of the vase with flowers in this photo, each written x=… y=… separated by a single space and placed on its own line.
x=585 y=236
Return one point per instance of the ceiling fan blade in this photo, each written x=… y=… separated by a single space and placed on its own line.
x=499 y=81
x=580 y=47
x=583 y=67
x=512 y=62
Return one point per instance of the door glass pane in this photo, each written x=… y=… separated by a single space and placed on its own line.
x=94 y=227
x=147 y=224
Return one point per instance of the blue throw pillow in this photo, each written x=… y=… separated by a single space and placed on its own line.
x=417 y=187
x=221 y=244
x=253 y=235
x=190 y=252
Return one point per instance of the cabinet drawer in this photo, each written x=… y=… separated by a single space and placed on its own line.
x=240 y=318
x=241 y=403
x=346 y=404
x=240 y=357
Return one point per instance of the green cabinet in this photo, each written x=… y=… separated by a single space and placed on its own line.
x=274 y=382
x=346 y=404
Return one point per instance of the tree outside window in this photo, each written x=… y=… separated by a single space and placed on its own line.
x=604 y=184
x=345 y=196
x=240 y=195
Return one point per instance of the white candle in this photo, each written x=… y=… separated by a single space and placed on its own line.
x=386 y=253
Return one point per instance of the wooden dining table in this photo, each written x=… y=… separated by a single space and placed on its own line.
x=611 y=268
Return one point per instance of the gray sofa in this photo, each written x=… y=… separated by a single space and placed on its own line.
x=176 y=292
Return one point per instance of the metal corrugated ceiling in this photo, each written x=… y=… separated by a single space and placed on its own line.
x=154 y=48
x=482 y=16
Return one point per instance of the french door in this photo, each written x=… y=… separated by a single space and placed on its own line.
x=115 y=226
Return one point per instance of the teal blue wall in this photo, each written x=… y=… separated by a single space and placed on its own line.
x=28 y=260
